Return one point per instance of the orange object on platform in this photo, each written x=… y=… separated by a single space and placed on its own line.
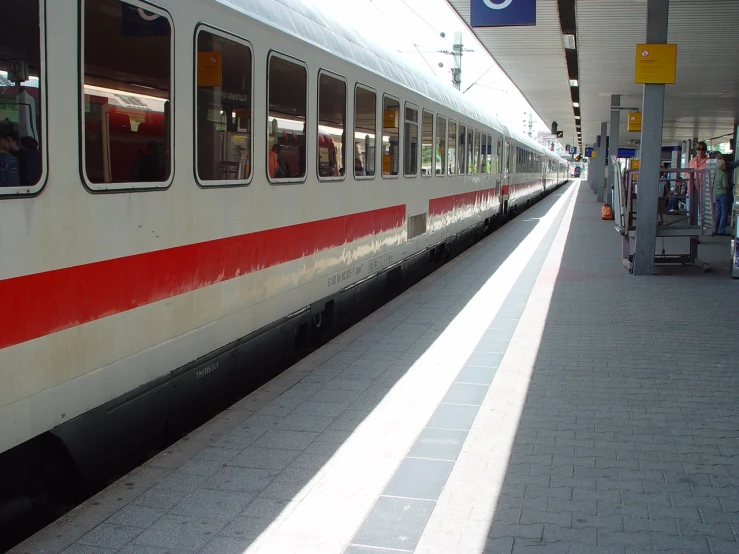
x=606 y=212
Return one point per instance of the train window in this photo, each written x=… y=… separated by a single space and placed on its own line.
x=127 y=127
x=484 y=153
x=470 y=151
x=476 y=153
x=410 y=152
x=427 y=144
x=365 y=131
x=499 y=157
x=440 y=156
x=22 y=98
x=331 y=126
x=287 y=102
x=462 y=154
x=223 y=101
x=390 y=136
x=451 y=152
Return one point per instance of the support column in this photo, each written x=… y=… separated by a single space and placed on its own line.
x=653 y=107
x=614 y=139
x=602 y=156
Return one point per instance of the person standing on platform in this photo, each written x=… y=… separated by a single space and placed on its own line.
x=722 y=192
x=698 y=163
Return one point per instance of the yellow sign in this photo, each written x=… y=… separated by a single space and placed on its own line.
x=634 y=164
x=390 y=119
x=634 y=123
x=593 y=154
x=209 y=69
x=656 y=64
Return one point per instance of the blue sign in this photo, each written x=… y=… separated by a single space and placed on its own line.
x=573 y=150
x=588 y=152
x=502 y=13
x=139 y=22
x=626 y=152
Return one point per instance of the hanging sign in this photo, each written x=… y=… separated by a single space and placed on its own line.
x=589 y=152
x=209 y=69
x=656 y=64
x=634 y=123
x=502 y=13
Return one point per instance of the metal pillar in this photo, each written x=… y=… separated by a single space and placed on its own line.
x=653 y=107
x=614 y=139
x=602 y=156
x=457 y=71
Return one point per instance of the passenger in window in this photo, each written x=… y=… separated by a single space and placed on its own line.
x=277 y=165
x=9 y=173
x=359 y=168
x=29 y=161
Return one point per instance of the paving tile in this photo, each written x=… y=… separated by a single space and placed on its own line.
x=438 y=444
x=419 y=478
x=394 y=523
x=451 y=416
x=180 y=534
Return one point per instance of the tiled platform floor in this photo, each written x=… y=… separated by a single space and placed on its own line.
x=530 y=395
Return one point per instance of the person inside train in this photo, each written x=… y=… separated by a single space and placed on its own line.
x=28 y=157
x=359 y=168
x=9 y=173
x=277 y=166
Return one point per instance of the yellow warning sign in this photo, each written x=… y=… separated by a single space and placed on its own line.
x=209 y=69
x=655 y=64
x=634 y=164
x=634 y=123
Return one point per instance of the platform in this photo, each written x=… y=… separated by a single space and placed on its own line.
x=530 y=395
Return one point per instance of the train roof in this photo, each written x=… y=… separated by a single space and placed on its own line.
x=303 y=20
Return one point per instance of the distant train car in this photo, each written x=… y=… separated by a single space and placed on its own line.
x=155 y=264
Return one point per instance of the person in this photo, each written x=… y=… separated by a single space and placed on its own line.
x=722 y=192
x=358 y=168
x=29 y=161
x=697 y=163
x=9 y=172
x=277 y=166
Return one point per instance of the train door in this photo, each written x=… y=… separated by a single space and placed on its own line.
x=506 y=188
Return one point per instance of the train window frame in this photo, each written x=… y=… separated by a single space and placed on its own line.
x=462 y=139
x=224 y=183
x=439 y=150
x=365 y=177
x=26 y=191
x=421 y=124
x=329 y=73
x=127 y=186
x=406 y=107
x=400 y=137
x=292 y=59
x=451 y=167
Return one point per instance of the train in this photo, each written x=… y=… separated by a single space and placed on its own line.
x=215 y=186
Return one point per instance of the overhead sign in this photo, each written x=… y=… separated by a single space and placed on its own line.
x=572 y=150
x=634 y=123
x=655 y=64
x=141 y=23
x=502 y=13
x=589 y=152
x=626 y=152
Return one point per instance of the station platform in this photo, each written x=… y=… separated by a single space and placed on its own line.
x=529 y=396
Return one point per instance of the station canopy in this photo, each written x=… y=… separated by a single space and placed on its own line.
x=703 y=103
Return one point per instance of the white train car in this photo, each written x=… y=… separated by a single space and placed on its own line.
x=198 y=187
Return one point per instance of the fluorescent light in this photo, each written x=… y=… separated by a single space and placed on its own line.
x=574 y=83
x=576 y=104
x=577 y=117
x=568 y=41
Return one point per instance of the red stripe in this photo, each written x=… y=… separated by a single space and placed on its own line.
x=481 y=198
x=43 y=303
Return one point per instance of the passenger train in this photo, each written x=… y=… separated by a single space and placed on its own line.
x=201 y=189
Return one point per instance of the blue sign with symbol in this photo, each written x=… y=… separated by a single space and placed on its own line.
x=138 y=22
x=573 y=150
x=502 y=13
x=588 y=152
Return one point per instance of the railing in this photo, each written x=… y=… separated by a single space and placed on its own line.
x=684 y=209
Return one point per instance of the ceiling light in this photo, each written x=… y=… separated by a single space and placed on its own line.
x=574 y=83
x=577 y=117
x=576 y=104
x=568 y=41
